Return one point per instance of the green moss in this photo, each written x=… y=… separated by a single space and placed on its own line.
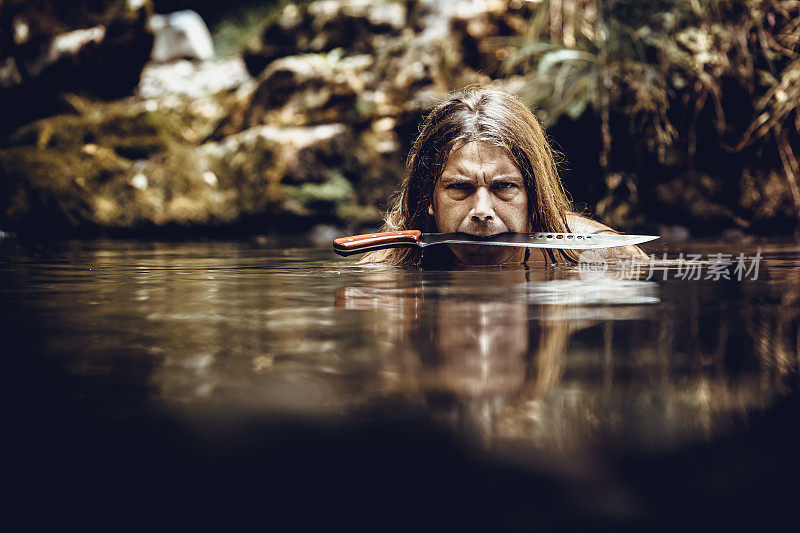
x=242 y=25
x=254 y=174
x=319 y=196
x=359 y=215
x=132 y=134
x=52 y=187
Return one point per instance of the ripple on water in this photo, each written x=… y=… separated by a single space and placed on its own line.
x=538 y=358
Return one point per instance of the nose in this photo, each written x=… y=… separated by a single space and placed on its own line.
x=482 y=210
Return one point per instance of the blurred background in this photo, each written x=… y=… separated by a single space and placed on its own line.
x=133 y=117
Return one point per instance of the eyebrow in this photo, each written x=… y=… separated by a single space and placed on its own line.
x=456 y=177
x=463 y=177
x=511 y=177
x=460 y=178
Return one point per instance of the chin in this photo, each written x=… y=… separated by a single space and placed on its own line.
x=477 y=254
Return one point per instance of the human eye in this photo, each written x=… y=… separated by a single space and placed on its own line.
x=505 y=185
x=459 y=186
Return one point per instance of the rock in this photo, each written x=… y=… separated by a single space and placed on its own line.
x=113 y=165
x=286 y=171
x=64 y=46
x=121 y=166
x=180 y=35
x=395 y=72
x=210 y=178
x=413 y=62
x=191 y=79
x=305 y=89
x=292 y=155
x=279 y=39
x=50 y=48
x=485 y=31
x=51 y=191
x=320 y=135
x=355 y=26
x=139 y=181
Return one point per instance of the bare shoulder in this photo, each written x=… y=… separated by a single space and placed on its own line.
x=581 y=224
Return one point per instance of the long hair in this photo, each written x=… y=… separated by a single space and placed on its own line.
x=478 y=113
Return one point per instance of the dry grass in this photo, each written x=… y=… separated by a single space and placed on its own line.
x=639 y=59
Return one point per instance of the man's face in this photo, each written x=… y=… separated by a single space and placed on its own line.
x=481 y=192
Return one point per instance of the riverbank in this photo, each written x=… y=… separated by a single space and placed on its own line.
x=310 y=124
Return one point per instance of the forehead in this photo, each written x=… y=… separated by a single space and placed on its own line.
x=479 y=158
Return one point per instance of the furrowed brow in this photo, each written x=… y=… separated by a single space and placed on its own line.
x=456 y=177
x=507 y=177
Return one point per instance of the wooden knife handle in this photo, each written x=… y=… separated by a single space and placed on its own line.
x=375 y=241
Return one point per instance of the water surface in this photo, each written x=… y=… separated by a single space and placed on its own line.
x=513 y=363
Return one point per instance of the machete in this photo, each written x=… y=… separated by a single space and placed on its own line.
x=391 y=239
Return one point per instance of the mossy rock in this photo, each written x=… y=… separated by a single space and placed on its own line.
x=46 y=190
x=321 y=197
x=131 y=133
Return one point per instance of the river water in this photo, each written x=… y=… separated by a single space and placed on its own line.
x=549 y=370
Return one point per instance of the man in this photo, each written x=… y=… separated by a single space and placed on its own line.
x=482 y=165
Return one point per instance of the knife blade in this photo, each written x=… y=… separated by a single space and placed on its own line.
x=391 y=239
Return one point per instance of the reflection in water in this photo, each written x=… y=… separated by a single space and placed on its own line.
x=508 y=358
x=490 y=353
x=560 y=363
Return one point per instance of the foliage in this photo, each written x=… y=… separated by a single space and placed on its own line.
x=645 y=59
x=242 y=24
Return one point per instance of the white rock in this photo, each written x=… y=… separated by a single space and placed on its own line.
x=21 y=31
x=193 y=80
x=139 y=181
x=378 y=13
x=296 y=137
x=136 y=5
x=179 y=35
x=72 y=42
x=210 y=178
x=66 y=44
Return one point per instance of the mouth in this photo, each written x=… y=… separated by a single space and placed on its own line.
x=478 y=248
x=480 y=254
x=482 y=236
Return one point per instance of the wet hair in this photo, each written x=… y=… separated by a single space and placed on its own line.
x=477 y=113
